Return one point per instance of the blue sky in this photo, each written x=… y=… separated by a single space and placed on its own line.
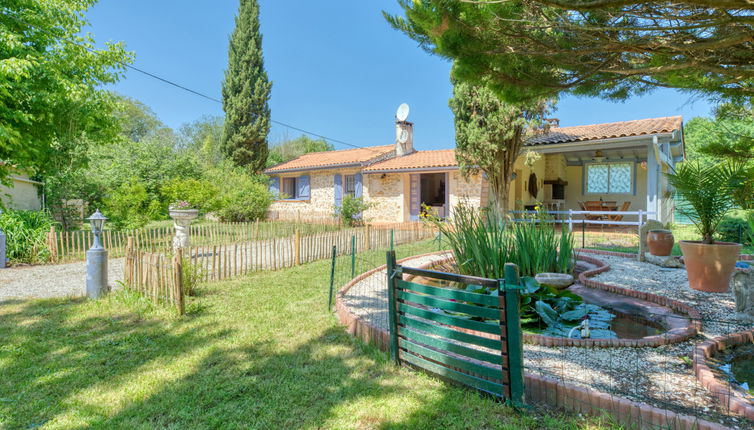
x=337 y=67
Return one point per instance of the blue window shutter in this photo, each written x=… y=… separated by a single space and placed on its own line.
x=303 y=187
x=338 y=190
x=275 y=187
x=357 y=190
x=414 y=196
x=357 y=186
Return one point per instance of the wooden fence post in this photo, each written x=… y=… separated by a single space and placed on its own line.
x=367 y=237
x=128 y=264
x=178 y=280
x=297 y=244
x=52 y=243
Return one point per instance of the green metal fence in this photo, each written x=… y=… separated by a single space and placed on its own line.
x=470 y=338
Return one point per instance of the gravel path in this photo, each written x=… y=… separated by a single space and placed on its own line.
x=660 y=376
x=54 y=280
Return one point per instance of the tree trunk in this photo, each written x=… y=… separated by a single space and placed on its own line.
x=500 y=188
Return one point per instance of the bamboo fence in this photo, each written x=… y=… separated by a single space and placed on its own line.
x=165 y=276
x=155 y=275
x=67 y=246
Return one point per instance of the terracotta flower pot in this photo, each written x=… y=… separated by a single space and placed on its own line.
x=660 y=242
x=709 y=267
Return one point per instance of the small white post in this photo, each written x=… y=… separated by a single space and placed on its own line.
x=570 y=220
x=641 y=248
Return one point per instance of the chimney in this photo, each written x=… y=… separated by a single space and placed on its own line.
x=404 y=138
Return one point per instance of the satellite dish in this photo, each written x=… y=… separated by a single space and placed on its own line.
x=402 y=112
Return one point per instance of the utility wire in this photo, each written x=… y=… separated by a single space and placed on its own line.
x=182 y=87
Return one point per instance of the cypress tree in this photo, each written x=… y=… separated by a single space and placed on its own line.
x=246 y=93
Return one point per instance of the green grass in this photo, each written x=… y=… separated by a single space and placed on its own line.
x=256 y=352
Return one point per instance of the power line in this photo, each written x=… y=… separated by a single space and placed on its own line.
x=182 y=87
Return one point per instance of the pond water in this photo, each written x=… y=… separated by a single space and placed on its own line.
x=622 y=325
x=740 y=367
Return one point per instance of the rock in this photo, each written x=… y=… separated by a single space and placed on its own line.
x=666 y=261
x=558 y=281
x=743 y=291
x=643 y=231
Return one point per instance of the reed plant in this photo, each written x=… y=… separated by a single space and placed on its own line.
x=26 y=235
x=483 y=241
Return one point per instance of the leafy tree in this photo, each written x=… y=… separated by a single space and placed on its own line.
x=203 y=137
x=290 y=149
x=50 y=81
x=607 y=48
x=728 y=136
x=490 y=135
x=246 y=93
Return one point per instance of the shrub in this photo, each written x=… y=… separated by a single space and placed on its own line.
x=242 y=197
x=26 y=235
x=200 y=194
x=735 y=227
x=129 y=206
x=351 y=209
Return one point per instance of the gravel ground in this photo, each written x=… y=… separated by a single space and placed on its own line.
x=660 y=376
x=54 y=280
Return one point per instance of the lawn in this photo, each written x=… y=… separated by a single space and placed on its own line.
x=256 y=352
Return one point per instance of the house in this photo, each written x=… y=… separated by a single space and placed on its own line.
x=620 y=162
x=23 y=192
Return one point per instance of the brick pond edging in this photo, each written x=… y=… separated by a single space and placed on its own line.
x=720 y=389
x=542 y=389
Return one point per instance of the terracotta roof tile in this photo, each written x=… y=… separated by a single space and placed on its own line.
x=609 y=130
x=315 y=160
x=417 y=160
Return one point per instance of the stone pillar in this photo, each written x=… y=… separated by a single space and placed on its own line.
x=2 y=250
x=96 y=272
x=182 y=222
x=743 y=291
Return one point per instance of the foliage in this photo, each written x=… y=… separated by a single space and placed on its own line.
x=707 y=194
x=242 y=197
x=26 y=235
x=729 y=136
x=483 y=242
x=735 y=227
x=203 y=137
x=129 y=206
x=351 y=209
x=199 y=194
x=751 y=228
x=604 y=48
x=490 y=135
x=50 y=81
x=246 y=93
x=290 y=149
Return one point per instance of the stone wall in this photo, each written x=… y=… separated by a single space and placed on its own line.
x=468 y=191
x=321 y=204
x=387 y=197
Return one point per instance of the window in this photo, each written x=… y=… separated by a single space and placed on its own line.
x=613 y=178
x=289 y=188
x=350 y=186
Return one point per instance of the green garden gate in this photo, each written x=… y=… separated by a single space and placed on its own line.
x=470 y=338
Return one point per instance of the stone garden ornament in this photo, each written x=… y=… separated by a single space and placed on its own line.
x=743 y=291
x=182 y=215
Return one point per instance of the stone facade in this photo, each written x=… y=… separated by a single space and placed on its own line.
x=468 y=191
x=387 y=197
x=321 y=203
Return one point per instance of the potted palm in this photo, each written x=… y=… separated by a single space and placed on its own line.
x=707 y=191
